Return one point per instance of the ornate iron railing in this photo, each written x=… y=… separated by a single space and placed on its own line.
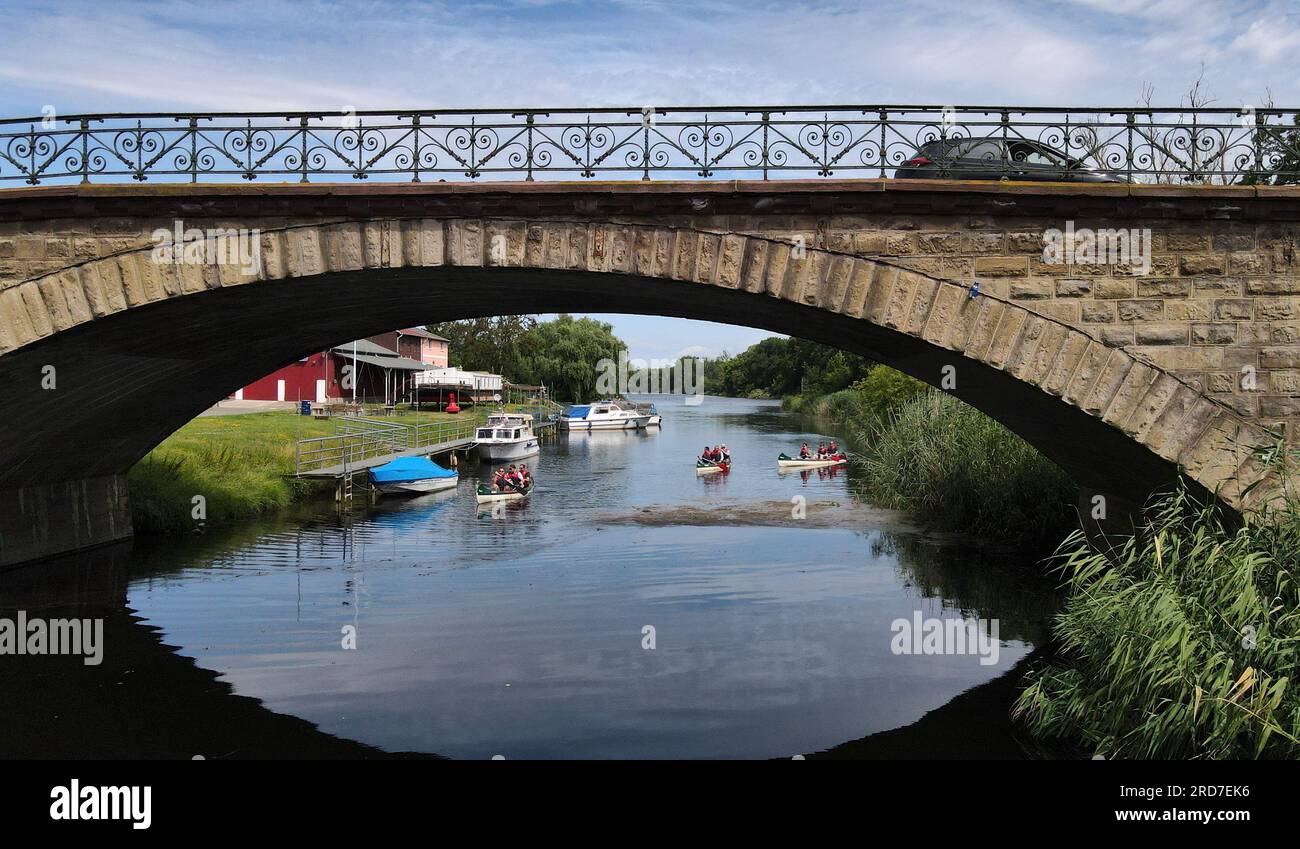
x=1202 y=145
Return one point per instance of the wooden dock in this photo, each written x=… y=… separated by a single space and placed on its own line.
x=362 y=444
x=351 y=467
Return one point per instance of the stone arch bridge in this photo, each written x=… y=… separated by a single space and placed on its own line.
x=1119 y=373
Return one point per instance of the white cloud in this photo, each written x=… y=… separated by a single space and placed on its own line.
x=245 y=55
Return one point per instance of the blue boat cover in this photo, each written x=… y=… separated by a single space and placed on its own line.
x=579 y=412
x=405 y=469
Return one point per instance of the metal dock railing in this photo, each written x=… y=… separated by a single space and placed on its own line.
x=364 y=443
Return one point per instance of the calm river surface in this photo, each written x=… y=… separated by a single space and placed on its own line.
x=522 y=632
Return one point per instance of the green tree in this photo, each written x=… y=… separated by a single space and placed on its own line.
x=776 y=367
x=493 y=344
x=561 y=354
x=565 y=354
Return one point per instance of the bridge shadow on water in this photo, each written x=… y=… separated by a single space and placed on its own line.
x=146 y=700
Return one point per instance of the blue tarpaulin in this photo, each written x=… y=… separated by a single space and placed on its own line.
x=579 y=412
x=405 y=469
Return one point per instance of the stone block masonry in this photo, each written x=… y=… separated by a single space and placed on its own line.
x=1118 y=375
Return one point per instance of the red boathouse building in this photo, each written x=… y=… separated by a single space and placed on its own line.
x=384 y=366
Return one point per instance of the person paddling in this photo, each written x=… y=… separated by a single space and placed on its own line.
x=834 y=449
x=804 y=453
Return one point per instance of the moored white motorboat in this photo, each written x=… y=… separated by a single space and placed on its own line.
x=412 y=476
x=506 y=436
x=647 y=408
x=786 y=462
x=603 y=415
x=486 y=494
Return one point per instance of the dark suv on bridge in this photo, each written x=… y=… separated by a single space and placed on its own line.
x=995 y=158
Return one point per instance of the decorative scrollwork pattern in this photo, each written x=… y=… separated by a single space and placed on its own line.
x=1217 y=146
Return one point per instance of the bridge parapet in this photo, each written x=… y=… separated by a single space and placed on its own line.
x=1152 y=145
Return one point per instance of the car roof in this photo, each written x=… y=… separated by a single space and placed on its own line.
x=948 y=144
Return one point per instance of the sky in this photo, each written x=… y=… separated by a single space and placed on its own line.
x=259 y=55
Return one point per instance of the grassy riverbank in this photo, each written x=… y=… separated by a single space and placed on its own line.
x=948 y=464
x=869 y=401
x=957 y=469
x=238 y=463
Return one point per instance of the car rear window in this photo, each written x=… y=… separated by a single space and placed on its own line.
x=983 y=149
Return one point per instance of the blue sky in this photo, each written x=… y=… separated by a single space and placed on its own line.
x=261 y=55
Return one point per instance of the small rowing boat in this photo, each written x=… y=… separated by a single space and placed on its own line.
x=708 y=467
x=411 y=476
x=486 y=494
x=784 y=461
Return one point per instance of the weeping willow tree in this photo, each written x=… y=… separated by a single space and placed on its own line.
x=1184 y=642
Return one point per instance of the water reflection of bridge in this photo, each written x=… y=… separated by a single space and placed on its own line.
x=146 y=700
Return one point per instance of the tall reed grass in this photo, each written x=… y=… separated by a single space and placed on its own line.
x=1184 y=642
x=958 y=469
x=235 y=482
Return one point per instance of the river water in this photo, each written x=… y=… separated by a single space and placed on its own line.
x=627 y=609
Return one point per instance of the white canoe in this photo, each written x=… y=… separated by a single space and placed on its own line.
x=712 y=469
x=488 y=498
x=810 y=464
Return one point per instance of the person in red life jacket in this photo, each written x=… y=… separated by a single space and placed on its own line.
x=499 y=479
x=707 y=454
x=834 y=449
x=804 y=453
x=724 y=454
x=525 y=479
x=821 y=450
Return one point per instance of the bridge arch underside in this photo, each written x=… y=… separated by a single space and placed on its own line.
x=125 y=381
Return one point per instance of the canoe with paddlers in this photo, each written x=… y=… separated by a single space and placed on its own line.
x=487 y=493
x=785 y=461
